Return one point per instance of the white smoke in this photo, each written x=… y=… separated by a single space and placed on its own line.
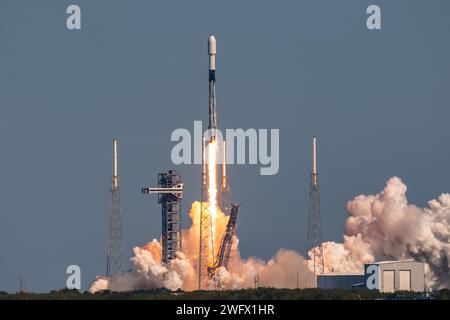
x=285 y=270
x=147 y=272
x=386 y=227
x=379 y=227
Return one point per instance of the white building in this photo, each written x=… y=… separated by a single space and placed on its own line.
x=384 y=276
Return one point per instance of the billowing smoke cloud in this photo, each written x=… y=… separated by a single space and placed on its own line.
x=386 y=227
x=147 y=272
x=285 y=270
x=379 y=227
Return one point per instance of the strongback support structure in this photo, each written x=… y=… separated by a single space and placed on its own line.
x=170 y=194
x=314 y=219
x=223 y=256
x=227 y=240
x=114 y=259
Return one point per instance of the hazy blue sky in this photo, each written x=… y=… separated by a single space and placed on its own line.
x=378 y=101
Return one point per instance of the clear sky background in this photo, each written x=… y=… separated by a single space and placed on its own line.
x=378 y=101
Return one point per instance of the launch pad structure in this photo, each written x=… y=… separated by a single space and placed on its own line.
x=227 y=238
x=206 y=257
x=223 y=256
x=170 y=194
x=214 y=196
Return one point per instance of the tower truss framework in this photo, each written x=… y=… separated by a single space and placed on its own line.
x=314 y=219
x=114 y=258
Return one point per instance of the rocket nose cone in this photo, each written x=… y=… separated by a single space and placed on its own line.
x=212 y=45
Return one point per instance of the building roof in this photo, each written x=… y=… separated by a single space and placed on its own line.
x=340 y=274
x=393 y=261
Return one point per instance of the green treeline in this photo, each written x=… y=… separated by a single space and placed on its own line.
x=244 y=294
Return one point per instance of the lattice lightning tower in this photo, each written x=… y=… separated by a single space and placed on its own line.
x=114 y=260
x=314 y=220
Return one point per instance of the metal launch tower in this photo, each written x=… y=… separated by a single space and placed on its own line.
x=170 y=194
x=314 y=220
x=114 y=259
x=23 y=283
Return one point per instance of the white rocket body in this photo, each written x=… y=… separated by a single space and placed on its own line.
x=212 y=51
